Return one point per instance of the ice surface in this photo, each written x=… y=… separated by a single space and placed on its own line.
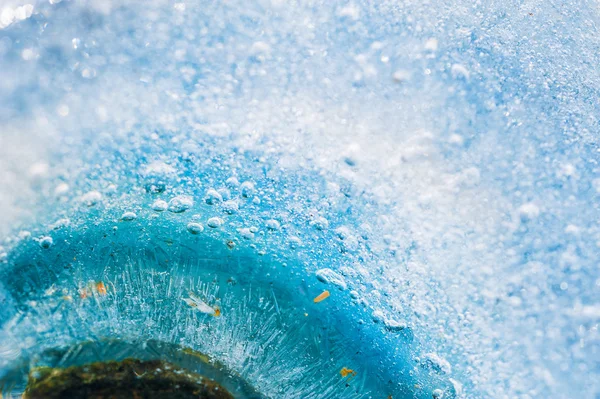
x=447 y=151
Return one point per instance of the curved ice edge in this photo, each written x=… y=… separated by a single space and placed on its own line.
x=391 y=359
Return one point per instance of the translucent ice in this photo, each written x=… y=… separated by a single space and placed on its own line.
x=441 y=157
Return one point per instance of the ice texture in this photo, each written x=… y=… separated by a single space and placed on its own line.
x=455 y=142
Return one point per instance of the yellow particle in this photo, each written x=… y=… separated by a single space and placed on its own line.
x=217 y=311
x=345 y=372
x=322 y=296
x=101 y=288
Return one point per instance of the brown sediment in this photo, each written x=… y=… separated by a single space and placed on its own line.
x=129 y=378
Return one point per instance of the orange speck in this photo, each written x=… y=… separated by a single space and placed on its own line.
x=101 y=288
x=345 y=372
x=321 y=296
x=217 y=311
x=83 y=293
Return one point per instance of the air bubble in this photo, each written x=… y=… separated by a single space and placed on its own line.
x=437 y=394
x=459 y=72
x=246 y=233
x=215 y=222
x=431 y=44
x=195 y=228
x=436 y=363
x=248 y=189
x=60 y=223
x=91 y=198
x=401 y=76
x=158 y=168
x=46 y=242
x=159 y=206
x=61 y=189
x=225 y=193
x=128 y=216
x=378 y=316
x=180 y=204
x=230 y=207
x=273 y=224
x=394 y=325
x=342 y=232
x=456 y=386
x=213 y=197
x=320 y=223
x=232 y=182
x=295 y=242
x=528 y=211
x=329 y=276
x=24 y=234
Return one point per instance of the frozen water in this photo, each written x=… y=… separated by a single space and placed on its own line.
x=441 y=156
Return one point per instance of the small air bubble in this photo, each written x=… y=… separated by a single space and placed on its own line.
x=394 y=325
x=61 y=189
x=46 y=242
x=213 y=197
x=528 y=211
x=295 y=242
x=28 y=54
x=63 y=110
x=329 y=276
x=232 y=182
x=230 y=207
x=159 y=206
x=180 y=204
x=215 y=222
x=436 y=363
x=431 y=44
x=248 y=189
x=459 y=72
x=91 y=198
x=128 y=216
x=273 y=224
x=195 y=228
x=401 y=76
x=225 y=193
x=320 y=223
x=378 y=316
x=246 y=233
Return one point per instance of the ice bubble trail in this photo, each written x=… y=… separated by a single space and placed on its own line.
x=440 y=158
